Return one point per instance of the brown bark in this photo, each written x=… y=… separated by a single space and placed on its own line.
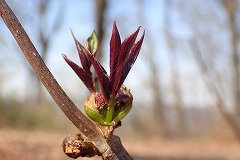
x=64 y=102
x=45 y=38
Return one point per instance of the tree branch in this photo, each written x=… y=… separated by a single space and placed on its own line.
x=231 y=120
x=87 y=127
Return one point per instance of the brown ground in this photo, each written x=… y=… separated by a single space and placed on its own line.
x=26 y=145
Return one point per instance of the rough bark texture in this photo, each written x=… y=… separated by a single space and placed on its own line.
x=77 y=145
x=64 y=102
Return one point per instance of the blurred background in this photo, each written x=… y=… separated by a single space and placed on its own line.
x=185 y=82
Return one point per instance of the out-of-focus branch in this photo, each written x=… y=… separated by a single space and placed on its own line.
x=64 y=102
x=231 y=10
x=173 y=61
x=100 y=10
x=213 y=89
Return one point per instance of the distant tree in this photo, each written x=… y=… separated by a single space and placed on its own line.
x=219 y=68
x=173 y=60
x=44 y=30
x=101 y=6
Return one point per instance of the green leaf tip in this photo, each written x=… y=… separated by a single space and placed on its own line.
x=93 y=43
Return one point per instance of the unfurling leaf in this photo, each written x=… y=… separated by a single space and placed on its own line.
x=93 y=43
x=102 y=75
x=85 y=76
x=110 y=100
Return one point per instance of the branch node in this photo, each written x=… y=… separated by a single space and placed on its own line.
x=77 y=145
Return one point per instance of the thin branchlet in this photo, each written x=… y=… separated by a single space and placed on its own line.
x=64 y=102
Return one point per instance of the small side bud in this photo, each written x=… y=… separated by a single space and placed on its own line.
x=96 y=108
x=76 y=146
x=123 y=105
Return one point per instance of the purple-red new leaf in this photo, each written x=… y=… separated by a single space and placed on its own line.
x=101 y=74
x=115 y=46
x=82 y=55
x=131 y=60
x=126 y=46
x=122 y=58
x=84 y=58
x=85 y=76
